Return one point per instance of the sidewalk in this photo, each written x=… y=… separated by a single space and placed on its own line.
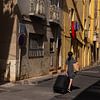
x=37 y=80
x=31 y=81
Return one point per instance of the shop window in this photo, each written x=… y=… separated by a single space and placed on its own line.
x=36 y=47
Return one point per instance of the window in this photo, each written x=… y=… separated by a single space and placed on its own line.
x=90 y=8
x=54 y=2
x=51 y=45
x=72 y=14
x=22 y=28
x=89 y=31
x=36 y=47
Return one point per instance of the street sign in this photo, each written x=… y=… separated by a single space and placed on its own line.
x=21 y=40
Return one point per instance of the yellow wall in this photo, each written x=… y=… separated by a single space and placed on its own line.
x=86 y=12
x=92 y=21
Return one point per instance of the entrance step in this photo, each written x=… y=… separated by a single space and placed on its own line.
x=54 y=71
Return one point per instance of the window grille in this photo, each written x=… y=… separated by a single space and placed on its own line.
x=36 y=48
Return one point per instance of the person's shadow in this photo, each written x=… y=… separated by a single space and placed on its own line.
x=74 y=88
x=62 y=96
x=65 y=96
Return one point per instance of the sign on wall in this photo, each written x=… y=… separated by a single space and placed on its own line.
x=22 y=36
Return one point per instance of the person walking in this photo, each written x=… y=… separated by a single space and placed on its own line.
x=70 y=61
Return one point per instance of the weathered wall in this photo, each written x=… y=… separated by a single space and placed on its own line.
x=8 y=32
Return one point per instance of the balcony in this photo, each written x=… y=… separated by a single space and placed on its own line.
x=54 y=14
x=32 y=7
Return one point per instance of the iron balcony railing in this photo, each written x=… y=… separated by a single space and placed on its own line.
x=54 y=14
x=32 y=7
x=37 y=7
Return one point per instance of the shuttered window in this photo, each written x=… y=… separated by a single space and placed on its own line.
x=36 y=47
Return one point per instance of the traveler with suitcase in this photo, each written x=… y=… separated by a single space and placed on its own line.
x=70 y=70
x=63 y=82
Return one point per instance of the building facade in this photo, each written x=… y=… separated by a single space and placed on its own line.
x=36 y=36
x=8 y=32
x=42 y=21
x=73 y=29
x=80 y=22
x=30 y=38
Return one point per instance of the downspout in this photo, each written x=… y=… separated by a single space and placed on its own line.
x=83 y=48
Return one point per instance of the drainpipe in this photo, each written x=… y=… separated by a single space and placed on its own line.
x=83 y=48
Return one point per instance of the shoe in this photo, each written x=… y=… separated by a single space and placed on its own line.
x=69 y=90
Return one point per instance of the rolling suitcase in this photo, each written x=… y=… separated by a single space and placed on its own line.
x=61 y=84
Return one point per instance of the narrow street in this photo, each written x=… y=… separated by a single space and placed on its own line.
x=86 y=86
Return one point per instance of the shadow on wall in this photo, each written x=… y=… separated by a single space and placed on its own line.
x=65 y=6
x=6 y=27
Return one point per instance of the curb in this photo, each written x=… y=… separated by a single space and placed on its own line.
x=36 y=80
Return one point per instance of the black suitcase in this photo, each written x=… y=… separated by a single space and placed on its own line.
x=61 y=84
